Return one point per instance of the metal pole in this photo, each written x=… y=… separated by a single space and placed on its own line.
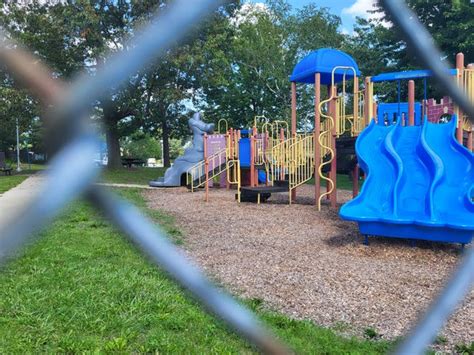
x=293 y=124
x=18 y=168
x=411 y=103
x=332 y=91
x=399 y=98
x=317 y=132
x=460 y=68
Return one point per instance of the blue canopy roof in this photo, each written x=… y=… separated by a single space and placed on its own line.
x=406 y=75
x=324 y=61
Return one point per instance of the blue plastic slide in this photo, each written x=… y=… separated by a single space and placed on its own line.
x=420 y=184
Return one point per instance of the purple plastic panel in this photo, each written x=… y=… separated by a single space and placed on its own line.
x=215 y=143
x=436 y=110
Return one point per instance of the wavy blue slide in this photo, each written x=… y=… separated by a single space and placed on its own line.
x=420 y=184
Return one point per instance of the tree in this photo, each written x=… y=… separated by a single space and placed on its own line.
x=14 y=105
x=78 y=35
x=250 y=59
x=450 y=23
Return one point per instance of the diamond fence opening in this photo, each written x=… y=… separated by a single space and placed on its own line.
x=72 y=173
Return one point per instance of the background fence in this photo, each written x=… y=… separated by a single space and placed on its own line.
x=72 y=173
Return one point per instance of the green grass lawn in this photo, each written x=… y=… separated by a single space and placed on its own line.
x=84 y=288
x=8 y=182
x=139 y=176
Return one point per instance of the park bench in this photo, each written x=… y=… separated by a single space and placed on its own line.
x=129 y=162
x=7 y=170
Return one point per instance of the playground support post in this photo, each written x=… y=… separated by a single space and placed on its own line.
x=355 y=109
x=206 y=167
x=255 y=172
x=293 y=123
x=228 y=140
x=293 y=108
x=411 y=103
x=317 y=131
x=282 y=139
x=252 y=159
x=460 y=77
x=265 y=148
x=333 y=173
x=469 y=133
x=469 y=140
x=368 y=101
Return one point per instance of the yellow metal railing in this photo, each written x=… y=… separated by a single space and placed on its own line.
x=233 y=175
x=278 y=161
x=260 y=152
x=301 y=161
x=359 y=124
x=346 y=123
x=342 y=119
x=292 y=160
x=216 y=164
x=468 y=78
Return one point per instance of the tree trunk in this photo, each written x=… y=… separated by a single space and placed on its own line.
x=112 y=137
x=166 y=143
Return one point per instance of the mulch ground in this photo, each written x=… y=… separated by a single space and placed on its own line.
x=312 y=265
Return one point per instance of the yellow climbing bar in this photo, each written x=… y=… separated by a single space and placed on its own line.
x=330 y=125
x=233 y=175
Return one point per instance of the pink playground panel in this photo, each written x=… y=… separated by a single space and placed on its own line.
x=436 y=110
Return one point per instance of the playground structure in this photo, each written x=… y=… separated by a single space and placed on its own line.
x=274 y=157
x=407 y=139
x=407 y=153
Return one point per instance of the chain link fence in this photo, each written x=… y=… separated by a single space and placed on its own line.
x=72 y=173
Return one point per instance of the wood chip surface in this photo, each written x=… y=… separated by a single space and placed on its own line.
x=313 y=265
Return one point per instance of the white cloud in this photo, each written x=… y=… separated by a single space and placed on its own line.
x=361 y=8
x=345 y=31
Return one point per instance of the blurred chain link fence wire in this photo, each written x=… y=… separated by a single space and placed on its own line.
x=72 y=173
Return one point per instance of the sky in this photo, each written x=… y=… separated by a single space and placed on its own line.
x=347 y=10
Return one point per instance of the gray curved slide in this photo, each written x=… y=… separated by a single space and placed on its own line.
x=191 y=156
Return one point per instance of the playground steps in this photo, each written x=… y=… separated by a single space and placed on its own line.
x=201 y=180
x=250 y=194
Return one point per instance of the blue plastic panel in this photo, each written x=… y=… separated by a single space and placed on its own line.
x=324 y=61
x=406 y=75
x=419 y=184
x=244 y=152
x=408 y=231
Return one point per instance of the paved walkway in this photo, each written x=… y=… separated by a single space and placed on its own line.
x=14 y=199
